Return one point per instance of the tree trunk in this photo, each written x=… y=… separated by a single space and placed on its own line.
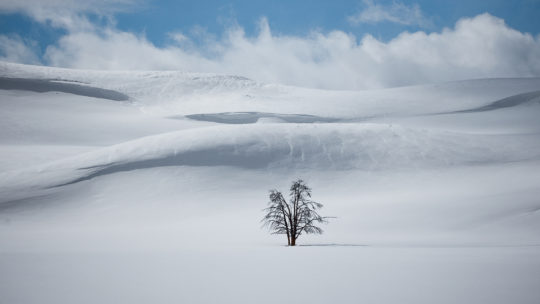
x=293 y=241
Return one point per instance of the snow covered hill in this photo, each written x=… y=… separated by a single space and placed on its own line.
x=165 y=174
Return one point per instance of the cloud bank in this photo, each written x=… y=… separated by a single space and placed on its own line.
x=479 y=47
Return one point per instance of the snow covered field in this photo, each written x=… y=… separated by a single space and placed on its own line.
x=147 y=187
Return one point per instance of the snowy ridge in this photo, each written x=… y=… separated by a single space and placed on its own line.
x=71 y=87
x=529 y=98
x=170 y=93
x=203 y=137
x=144 y=86
x=281 y=146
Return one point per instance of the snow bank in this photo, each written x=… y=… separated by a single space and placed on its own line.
x=282 y=146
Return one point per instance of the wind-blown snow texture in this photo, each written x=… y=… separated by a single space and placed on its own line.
x=147 y=187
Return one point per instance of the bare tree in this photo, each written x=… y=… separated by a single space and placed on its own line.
x=295 y=217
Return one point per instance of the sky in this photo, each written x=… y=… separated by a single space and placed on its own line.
x=340 y=44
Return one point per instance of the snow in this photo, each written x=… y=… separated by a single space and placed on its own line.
x=157 y=197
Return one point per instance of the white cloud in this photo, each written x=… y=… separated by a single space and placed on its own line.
x=116 y=50
x=397 y=12
x=479 y=47
x=15 y=49
x=178 y=37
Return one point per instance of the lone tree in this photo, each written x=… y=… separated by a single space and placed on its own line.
x=295 y=217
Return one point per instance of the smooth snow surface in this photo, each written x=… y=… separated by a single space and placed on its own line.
x=147 y=187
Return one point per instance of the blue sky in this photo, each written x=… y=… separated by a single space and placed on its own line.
x=301 y=16
x=213 y=36
x=157 y=18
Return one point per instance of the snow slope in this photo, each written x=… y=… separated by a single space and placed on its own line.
x=145 y=187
